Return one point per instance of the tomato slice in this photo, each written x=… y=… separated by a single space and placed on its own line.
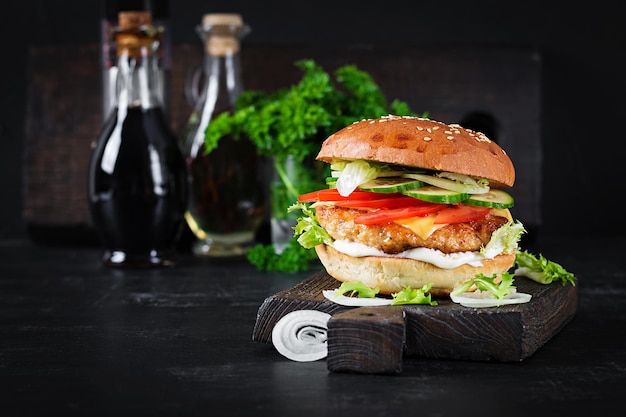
x=460 y=213
x=309 y=197
x=395 y=206
x=386 y=203
x=331 y=194
x=388 y=215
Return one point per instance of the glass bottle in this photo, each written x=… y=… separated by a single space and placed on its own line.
x=137 y=184
x=227 y=193
x=110 y=9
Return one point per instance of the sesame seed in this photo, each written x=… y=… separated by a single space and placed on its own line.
x=450 y=137
x=436 y=127
x=482 y=138
x=420 y=128
x=429 y=130
x=427 y=139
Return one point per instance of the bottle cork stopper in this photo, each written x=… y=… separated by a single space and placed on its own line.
x=215 y=19
x=134 y=19
x=135 y=34
x=225 y=30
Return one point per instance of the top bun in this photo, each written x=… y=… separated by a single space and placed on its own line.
x=422 y=143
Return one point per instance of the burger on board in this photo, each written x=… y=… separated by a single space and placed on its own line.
x=412 y=202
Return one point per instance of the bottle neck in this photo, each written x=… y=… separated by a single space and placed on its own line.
x=223 y=81
x=222 y=86
x=138 y=79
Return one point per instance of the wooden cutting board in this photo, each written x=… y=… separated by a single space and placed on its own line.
x=374 y=340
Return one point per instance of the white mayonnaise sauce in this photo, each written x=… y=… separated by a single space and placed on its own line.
x=432 y=256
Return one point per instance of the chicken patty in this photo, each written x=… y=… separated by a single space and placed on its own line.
x=394 y=238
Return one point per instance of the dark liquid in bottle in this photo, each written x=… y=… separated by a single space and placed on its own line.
x=138 y=190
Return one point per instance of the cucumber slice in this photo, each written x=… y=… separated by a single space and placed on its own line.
x=493 y=199
x=438 y=195
x=337 y=174
x=331 y=182
x=449 y=184
x=390 y=185
x=391 y=173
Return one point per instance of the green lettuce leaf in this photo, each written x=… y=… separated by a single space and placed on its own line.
x=354 y=174
x=504 y=240
x=485 y=283
x=310 y=233
x=417 y=296
x=356 y=288
x=541 y=270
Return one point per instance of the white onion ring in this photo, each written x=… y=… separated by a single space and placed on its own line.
x=355 y=301
x=301 y=335
x=474 y=299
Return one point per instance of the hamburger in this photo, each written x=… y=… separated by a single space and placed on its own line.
x=411 y=202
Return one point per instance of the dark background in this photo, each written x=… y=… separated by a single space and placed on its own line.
x=582 y=48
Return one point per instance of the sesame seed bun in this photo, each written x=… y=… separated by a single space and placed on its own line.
x=421 y=143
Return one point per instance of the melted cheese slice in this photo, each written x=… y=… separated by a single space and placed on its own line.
x=425 y=226
x=502 y=213
x=421 y=226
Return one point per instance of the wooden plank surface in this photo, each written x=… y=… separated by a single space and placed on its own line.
x=367 y=340
x=374 y=339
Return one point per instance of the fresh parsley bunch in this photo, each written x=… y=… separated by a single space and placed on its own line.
x=293 y=258
x=293 y=122
x=288 y=121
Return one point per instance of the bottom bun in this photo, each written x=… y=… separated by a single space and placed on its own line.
x=392 y=275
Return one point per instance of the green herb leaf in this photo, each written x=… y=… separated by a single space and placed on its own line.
x=417 y=296
x=295 y=120
x=293 y=258
x=541 y=270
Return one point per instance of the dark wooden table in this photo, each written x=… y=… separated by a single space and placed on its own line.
x=77 y=338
